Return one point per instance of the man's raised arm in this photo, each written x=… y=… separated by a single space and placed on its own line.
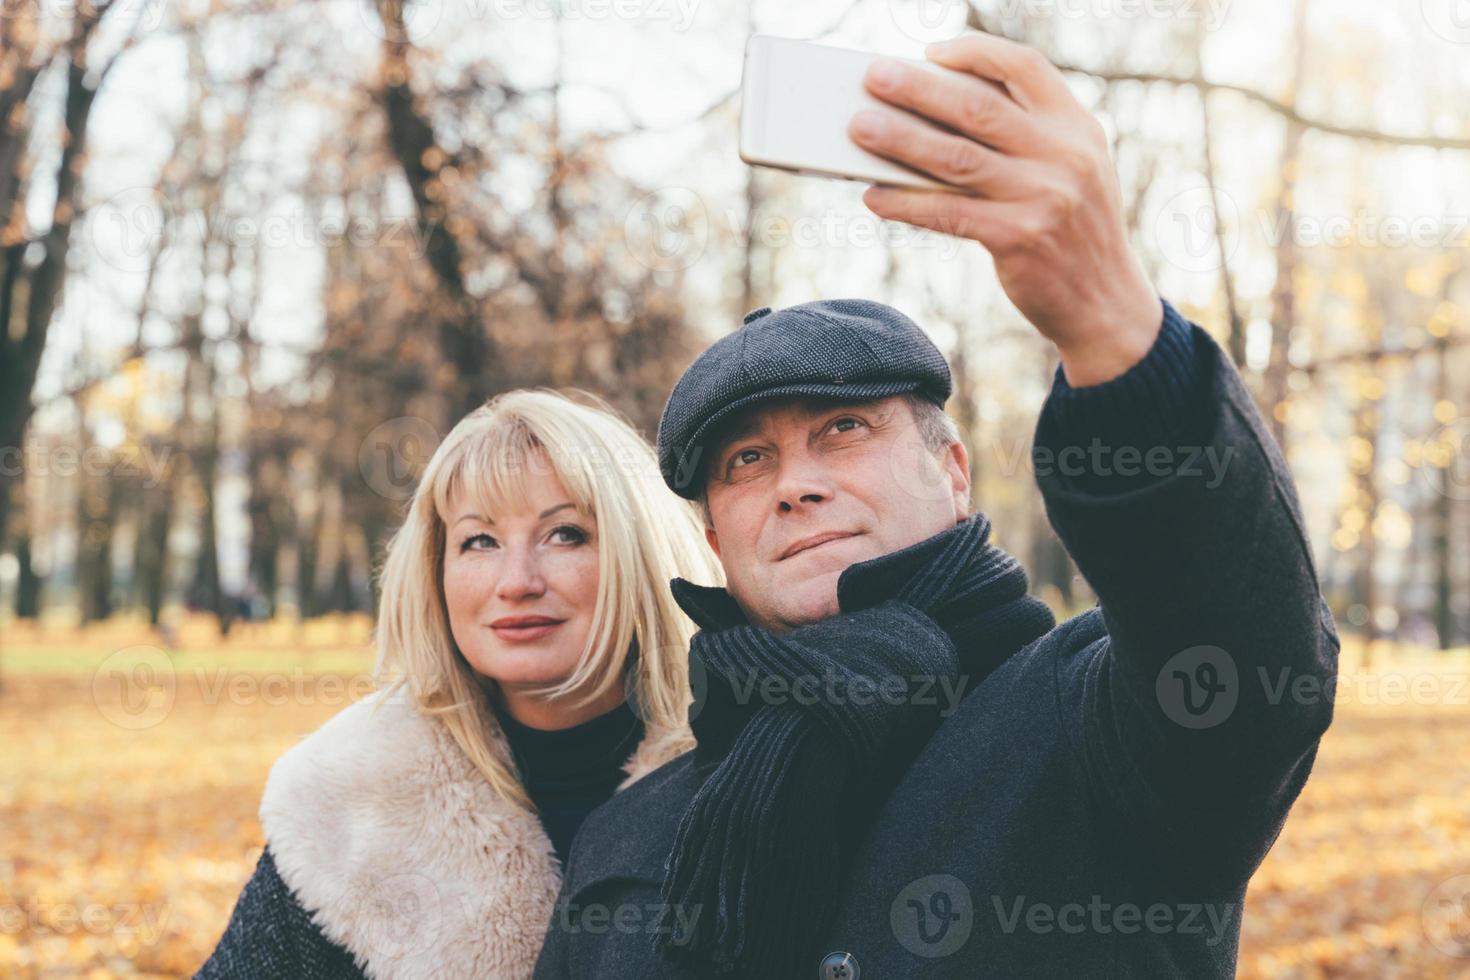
x=1196 y=699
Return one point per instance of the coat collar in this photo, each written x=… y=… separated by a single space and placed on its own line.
x=861 y=584
x=395 y=844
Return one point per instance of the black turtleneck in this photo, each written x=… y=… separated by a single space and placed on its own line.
x=570 y=771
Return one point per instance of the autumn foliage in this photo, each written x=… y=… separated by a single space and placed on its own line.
x=130 y=808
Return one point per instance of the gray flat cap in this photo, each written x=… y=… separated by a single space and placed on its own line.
x=837 y=348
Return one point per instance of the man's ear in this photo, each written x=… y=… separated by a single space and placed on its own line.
x=957 y=465
x=712 y=538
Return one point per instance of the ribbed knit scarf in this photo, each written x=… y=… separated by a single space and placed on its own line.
x=803 y=733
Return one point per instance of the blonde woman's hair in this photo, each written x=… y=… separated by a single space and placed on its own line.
x=645 y=536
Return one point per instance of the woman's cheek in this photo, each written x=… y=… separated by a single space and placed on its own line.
x=578 y=573
x=459 y=587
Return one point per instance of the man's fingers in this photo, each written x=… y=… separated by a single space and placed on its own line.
x=991 y=223
x=944 y=156
x=940 y=210
x=1032 y=80
x=968 y=105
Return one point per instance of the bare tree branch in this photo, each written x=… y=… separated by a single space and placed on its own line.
x=1275 y=105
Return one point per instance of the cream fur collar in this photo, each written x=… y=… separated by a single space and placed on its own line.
x=403 y=855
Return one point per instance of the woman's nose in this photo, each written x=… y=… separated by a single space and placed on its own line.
x=520 y=574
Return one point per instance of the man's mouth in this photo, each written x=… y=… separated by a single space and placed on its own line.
x=813 y=541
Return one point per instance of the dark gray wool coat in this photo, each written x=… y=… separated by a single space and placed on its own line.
x=1097 y=804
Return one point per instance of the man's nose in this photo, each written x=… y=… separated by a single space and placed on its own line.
x=801 y=481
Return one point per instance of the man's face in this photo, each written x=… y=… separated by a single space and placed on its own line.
x=800 y=489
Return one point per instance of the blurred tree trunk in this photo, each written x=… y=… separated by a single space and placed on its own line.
x=464 y=342
x=1443 y=523
x=96 y=517
x=1235 y=340
x=150 y=569
x=1366 y=428
x=210 y=595
x=306 y=564
x=1283 y=292
x=267 y=491
x=28 y=584
x=1383 y=287
x=29 y=293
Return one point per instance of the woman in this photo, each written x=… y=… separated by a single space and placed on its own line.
x=420 y=832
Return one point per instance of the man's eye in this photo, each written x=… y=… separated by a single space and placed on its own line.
x=477 y=542
x=743 y=457
x=848 y=421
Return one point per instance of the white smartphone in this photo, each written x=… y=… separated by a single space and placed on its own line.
x=796 y=99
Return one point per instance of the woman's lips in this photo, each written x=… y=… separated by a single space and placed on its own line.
x=520 y=634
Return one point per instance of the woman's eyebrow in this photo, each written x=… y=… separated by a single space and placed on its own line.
x=540 y=517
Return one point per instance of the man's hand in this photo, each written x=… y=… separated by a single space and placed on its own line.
x=1039 y=193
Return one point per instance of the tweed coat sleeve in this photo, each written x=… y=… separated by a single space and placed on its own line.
x=1196 y=714
x=270 y=935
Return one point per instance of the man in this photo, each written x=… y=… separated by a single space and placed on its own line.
x=905 y=768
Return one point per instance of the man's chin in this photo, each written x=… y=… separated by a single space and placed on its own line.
x=816 y=602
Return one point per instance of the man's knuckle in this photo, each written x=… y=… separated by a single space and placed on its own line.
x=977 y=114
x=1032 y=63
x=961 y=159
x=1063 y=201
x=1077 y=161
x=1028 y=233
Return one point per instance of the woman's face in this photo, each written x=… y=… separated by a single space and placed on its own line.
x=520 y=588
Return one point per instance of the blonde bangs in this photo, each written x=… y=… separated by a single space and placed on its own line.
x=491 y=467
x=645 y=535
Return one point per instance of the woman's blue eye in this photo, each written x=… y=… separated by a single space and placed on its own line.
x=571 y=534
x=575 y=535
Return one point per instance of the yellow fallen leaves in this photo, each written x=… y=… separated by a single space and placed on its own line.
x=126 y=844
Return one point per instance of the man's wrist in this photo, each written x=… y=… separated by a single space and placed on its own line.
x=1151 y=407
x=1103 y=354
